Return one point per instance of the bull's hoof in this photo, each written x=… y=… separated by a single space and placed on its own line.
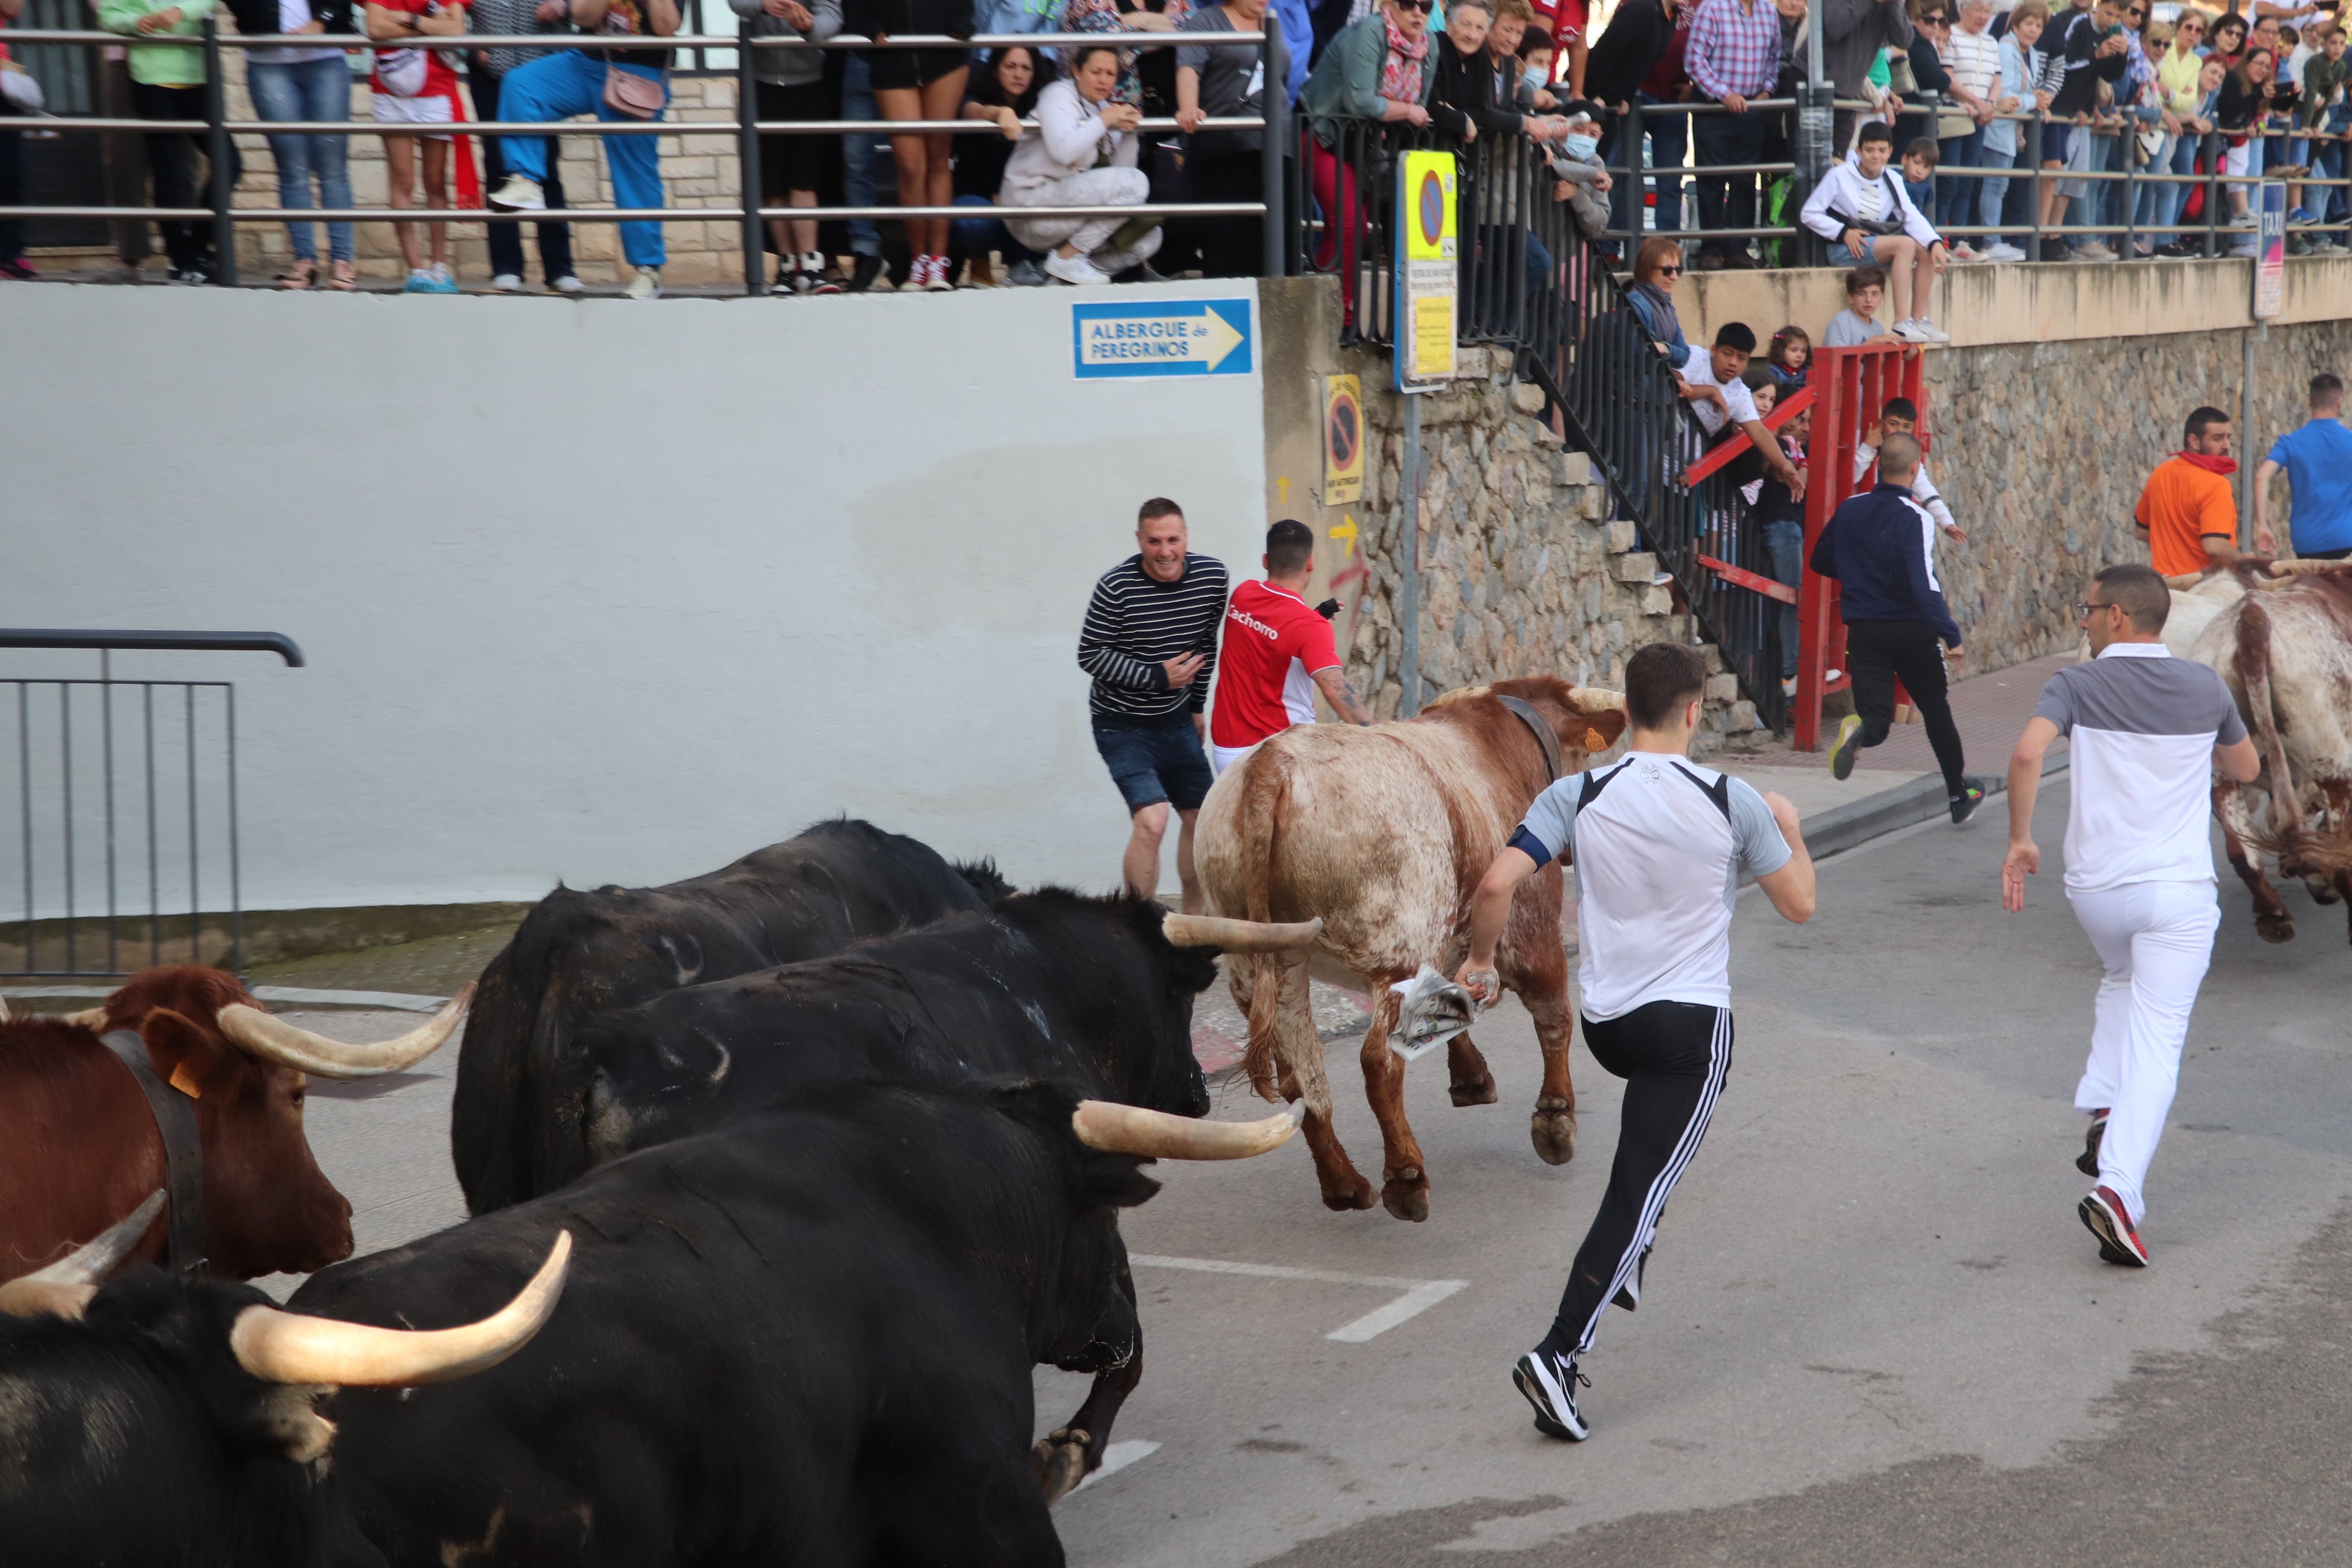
x=1407 y=1195
x=2322 y=890
x=1060 y=1460
x=1349 y=1197
x=2274 y=928
x=1479 y=1091
x=1553 y=1131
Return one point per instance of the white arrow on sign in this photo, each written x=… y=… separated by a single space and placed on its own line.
x=1192 y=338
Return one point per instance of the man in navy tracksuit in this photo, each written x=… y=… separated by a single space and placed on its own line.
x=1876 y=547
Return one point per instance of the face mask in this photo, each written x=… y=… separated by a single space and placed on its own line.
x=1580 y=148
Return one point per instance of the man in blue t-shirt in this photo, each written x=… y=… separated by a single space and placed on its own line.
x=2318 y=463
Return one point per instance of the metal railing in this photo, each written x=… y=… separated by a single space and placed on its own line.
x=113 y=774
x=1532 y=281
x=745 y=128
x=1636 y=219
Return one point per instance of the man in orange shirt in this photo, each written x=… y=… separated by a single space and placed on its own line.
x=2188 y=517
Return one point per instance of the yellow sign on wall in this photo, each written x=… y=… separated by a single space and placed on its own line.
x=1429 y=271
x=1343 y=441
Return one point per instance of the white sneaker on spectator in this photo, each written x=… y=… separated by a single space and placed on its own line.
x=1964 y=251
x=1077 y=270
x=812 y=274
x=2002 y=250
x=2241 y=220
x=1908 y=332
x=518 y=195
x=2091 y=250
x=507 y=283
x=568 y=284
x=646 y=285
x=1928 y=332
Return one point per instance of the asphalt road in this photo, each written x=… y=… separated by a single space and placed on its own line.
x=1872 y=1330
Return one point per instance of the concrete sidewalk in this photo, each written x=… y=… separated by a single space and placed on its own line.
x=1897 y=783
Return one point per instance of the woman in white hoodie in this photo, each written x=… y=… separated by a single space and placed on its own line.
x=1084 y=155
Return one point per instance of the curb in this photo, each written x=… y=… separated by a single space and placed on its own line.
x=1922 y=800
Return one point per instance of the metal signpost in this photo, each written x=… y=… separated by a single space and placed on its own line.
x=1428 y=281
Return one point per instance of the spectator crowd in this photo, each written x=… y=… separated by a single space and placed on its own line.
x=1964 y=124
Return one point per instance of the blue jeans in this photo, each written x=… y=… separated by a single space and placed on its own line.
x=1956 y=194
x=858 y=153
x=2327 y=162
x=1784 y=542
x=2180 y=158
x=561 y=85
x=979 y=235
x=314 y=90
x=1669 y=134
x=1994 y=191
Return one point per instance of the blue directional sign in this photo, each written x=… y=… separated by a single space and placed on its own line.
x=1163 y=337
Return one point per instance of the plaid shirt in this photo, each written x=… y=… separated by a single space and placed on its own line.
x=1735 y=50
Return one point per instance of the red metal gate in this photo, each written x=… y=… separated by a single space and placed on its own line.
x=1850 y=386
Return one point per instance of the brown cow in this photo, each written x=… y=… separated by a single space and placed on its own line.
x=2285 y=653
x=79 y=1147
x=1384 y=833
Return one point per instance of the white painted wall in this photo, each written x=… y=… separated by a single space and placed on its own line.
x=603 y=591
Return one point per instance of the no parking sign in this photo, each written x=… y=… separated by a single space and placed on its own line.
x=1428 y=273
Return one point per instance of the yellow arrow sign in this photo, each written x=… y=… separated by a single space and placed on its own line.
x=1346 y=531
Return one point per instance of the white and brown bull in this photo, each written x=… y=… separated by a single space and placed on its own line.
x=1383 y=833
x=2284 y=649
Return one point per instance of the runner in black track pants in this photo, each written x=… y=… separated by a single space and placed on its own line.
x=1658 y=844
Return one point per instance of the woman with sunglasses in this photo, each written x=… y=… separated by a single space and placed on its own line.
x=1931 y=25
x=1377 y=69
x=1656 y=267
x=2178 y=72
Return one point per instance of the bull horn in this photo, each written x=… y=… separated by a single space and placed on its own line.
x=1239 y=936
x=2185 y=580
x=1589 y=699
x=290 y=1347
x=2295 y=566
x=267 y=1036
x=66 y=1285
x=88 y=1018
x=1116 y=1129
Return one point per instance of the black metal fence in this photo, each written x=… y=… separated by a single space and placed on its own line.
x=1532 y=281
x=126 y=811
x=745 y=129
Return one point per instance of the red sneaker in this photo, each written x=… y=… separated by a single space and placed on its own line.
x=2105 y=1216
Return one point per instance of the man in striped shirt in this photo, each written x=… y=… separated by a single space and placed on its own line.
x=1151 y=644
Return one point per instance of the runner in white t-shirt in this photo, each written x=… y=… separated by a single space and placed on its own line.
x=2147 y=731
x=1658 y=844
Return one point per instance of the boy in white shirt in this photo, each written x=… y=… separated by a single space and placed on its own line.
x=1866 y=215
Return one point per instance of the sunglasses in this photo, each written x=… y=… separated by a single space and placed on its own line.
x=1935 y=21
x=1670 y=271
x=1422 y=7
x=2082 y=608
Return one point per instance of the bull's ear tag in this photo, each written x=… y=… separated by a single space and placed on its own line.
x=185 y=1081
x=1593 y=741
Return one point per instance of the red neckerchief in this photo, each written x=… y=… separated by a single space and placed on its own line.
x=2225 y=467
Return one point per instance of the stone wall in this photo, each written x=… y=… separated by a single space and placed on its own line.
x=2042 y=449
x=1521 y=571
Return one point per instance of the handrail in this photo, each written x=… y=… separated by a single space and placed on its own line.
x=1125 y=40
x=278 y=643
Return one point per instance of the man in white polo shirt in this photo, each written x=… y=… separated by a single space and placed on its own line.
x=1658 y=844
x=1278 y=651
x=2147 y=733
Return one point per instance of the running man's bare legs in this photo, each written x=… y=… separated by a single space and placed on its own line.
x=1140 y=865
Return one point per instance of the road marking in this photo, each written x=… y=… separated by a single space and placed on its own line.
x=1419 y=1295
x=1117 y=1457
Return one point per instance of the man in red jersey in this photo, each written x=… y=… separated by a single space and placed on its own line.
x=1277 y=651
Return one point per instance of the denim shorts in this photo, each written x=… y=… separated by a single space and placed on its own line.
x=1155 y=760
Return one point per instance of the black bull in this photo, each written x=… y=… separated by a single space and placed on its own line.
x=515 y=1129
x=806 y=1340
x=1085 y=992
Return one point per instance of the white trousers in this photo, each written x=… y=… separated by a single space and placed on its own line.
x=1222 y=759
x=2156 y=939
x=1089 y=188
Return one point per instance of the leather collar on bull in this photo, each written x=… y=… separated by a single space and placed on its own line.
x=183 y=1152
x=1536 y=721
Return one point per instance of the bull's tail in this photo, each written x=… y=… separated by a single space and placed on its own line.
x=2283 y=835
x=1266 y=790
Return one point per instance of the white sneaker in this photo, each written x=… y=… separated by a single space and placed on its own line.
x=568 y=284
x=518 y=195
x=1908 y=331
x=646 y=285
x=1964 y=251
x=2004 y=251
x=507 y=283
x=2092 y=251
x=1930 y=332
x=939 y=283
x=1077 y=269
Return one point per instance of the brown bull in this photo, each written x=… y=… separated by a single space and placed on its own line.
x=1383 y=833
x=2285 y=653
x=79 y=1148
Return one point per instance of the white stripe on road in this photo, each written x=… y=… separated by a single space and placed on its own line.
x=1117 y=1457
x=1419 y=1295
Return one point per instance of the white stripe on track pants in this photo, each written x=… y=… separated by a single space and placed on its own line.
x=2156 y=939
